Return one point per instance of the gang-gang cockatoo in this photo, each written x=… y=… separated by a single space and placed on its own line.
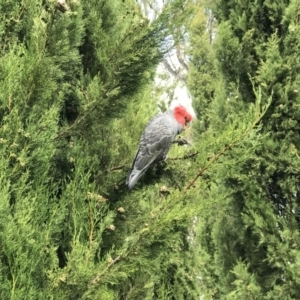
x=156 y=141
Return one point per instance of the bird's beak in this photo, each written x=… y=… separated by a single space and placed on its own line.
x=187 y=124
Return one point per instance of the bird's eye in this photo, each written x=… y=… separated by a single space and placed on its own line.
x=187 y=120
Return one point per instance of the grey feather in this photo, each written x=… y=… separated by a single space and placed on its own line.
x=155 y=143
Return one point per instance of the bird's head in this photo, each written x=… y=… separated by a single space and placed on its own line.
x=182 y=116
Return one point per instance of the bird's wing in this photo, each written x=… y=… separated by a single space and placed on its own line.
x=155 y=140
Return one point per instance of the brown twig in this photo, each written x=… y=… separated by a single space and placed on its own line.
x=185 y=156
x=223 y=151
x=117 y=168
x=97 y=278
x=202 y=170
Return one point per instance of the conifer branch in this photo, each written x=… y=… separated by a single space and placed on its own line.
x=125 y=37
x=185 y=156
x=91 y=233
x=216 y=157
x=117 y=168
x=98 y=277
x=89 y=108
x=24 y=7
x=234 y=142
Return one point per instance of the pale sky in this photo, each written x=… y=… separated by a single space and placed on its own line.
x=181 y=95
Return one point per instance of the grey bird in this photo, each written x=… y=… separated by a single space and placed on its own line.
x=157 y=140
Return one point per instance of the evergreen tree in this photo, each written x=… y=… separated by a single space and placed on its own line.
x=249 y=236
x=220 y=219
x=75 y=95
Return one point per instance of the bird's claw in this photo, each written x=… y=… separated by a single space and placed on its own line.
x=182 y=142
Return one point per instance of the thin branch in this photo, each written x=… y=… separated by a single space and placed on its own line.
x=129 y=292
x=89 y=107
x=125 y=37
x=98 y=277
x=228 y=147
x=175 y=73
x=180 y=58
x=91 y=232
x=223 y=151
x=117 y=168
x=169 y=68
x=185 y=156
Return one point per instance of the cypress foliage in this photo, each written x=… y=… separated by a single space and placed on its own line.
x=75 y=94
x=219 y=219
x=249 y=236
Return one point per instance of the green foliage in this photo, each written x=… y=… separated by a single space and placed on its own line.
x=219 y=219
x=202 y=61
x=249 y=234
x=75 y=94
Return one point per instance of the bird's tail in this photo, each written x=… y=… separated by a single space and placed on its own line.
x=133 y=176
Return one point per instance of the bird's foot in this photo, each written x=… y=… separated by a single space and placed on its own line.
x=180 y=141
